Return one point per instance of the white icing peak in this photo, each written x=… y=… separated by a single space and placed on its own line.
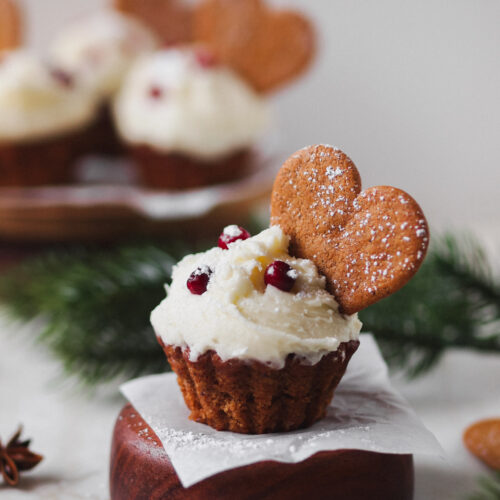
x=239 y=317
x=181 y=101
x=101 y=48
x=38 y=102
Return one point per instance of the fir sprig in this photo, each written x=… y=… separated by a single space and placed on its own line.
x=96 y=307
x=453 y=301
x=488 y=488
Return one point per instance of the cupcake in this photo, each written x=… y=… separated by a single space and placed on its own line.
x=99 y=50
x=44 y=116
x=256 y=341
x=187 y=120
x=260 y=330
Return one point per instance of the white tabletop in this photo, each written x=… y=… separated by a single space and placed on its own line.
x=73 y=428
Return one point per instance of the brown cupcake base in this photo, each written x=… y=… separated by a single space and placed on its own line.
x=141 y=470
x=176 y=171
x=251 y=397
x=40 y=162
x=102 y=137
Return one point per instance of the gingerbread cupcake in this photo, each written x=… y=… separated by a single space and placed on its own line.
x=260 y=330
x=187 y=120
x=44 y=116
x=257 y=342
x=99 y=49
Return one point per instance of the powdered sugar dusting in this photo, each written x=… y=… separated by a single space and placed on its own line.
x=365 y=243
x=204 y=269
x=233 y=231
x=328 y=188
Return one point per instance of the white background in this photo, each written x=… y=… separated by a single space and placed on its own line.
x=410 y=90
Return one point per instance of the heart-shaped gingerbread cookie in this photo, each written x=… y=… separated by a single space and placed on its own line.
x=368 y=243
x=10 y=25
x=171 y=20
x=267 y=47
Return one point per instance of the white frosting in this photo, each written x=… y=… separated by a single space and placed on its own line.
x=101 y=48
x=35 y=104
x=239 y=317
x=204 y=112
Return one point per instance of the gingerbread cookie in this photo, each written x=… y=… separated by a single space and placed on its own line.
x=10 y=25
x=171 y=20
x=368 y=244
x=267 y=47
x=483 y=440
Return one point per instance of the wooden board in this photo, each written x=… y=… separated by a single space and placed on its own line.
x=140 y=470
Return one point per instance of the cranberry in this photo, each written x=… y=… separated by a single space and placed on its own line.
x=280 y=275
x=206 y=58
x=198 y=281
x=62 y=77
x=231 y=234
x=155 y=92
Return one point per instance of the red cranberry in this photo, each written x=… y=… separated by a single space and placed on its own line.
x=231 y=234
x=198 y=281
x=155 y=92
x=206 y=58
x=280 y=275
x=62 y=77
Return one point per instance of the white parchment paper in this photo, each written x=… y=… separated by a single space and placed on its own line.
x=366 y=414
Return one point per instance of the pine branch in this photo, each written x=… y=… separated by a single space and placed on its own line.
x=488 y=488
x=451 y=302
x=96 y=307
x=468 y=262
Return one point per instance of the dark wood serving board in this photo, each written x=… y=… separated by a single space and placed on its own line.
x=141 y=470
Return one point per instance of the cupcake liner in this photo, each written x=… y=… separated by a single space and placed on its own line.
x=252 y=398
x=176 y=171
x=40 y=162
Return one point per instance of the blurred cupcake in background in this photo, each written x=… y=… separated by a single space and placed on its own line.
x=188 y=120
x=99 y=50
x=44 y=116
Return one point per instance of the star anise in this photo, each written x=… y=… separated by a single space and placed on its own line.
x=16 y=457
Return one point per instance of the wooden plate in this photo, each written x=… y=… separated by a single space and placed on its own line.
x=141 y=470
x=111 y=206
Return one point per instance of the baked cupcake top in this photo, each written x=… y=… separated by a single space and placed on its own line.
x=100 y=48
x=249 y=299
x=37 y=101
x=182 y=101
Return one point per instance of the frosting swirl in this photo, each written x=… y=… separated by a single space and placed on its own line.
x=181 y=101
x=100 y=49
x=38 y=102
x=239 y=317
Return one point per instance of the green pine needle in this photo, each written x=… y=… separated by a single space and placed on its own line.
x=451 y=302
x=96 y=307
x=488 y=488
